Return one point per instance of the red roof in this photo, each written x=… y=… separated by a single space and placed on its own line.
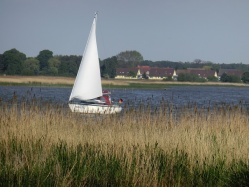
x=203 y=73
x=199 y=72
x=125 y=71
x=235 y=72
x=161 y=72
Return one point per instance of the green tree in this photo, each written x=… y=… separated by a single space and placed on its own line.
x=225 y=78
x=229 y=78
x=53 y=66
x=245 y=77
x=69 y=65
x=108 y=67
x=234 y=78
x=30 y=66
x=212 y=78
x=43 y=57
x=12 y=62
x=1 y=64
x=190 y=78
x=132 y=74
x=129 y=58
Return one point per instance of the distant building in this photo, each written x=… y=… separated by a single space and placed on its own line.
x=203 y=73
x=150 y=72
x=125 y=73
x=157 y=73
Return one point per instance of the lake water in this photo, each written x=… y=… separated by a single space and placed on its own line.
x=201 y=96
x=177 y=96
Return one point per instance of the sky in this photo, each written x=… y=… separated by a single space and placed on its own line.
x=174 y=30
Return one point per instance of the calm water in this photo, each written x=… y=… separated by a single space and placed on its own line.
x=178 y=96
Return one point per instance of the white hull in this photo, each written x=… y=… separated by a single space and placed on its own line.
x=95 y=108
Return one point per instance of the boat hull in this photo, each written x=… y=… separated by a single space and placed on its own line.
x=95 y=108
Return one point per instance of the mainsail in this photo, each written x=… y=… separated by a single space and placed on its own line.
x=87 y=84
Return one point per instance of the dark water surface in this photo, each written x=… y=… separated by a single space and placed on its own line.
x=177 y=96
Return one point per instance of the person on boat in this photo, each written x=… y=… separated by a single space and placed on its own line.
x=120 y=101
x=107 y=99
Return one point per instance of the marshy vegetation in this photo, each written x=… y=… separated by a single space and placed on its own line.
x=56 y=81
x=42 y=144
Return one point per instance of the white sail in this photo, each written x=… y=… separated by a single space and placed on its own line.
x=87 y=84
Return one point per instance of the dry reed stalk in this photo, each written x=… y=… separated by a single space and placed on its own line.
x=37 y=79
x=120 y=82
x=204 y=135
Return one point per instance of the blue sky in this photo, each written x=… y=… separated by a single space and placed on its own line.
x=176 y=30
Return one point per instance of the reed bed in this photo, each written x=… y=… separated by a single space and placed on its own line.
x=37 y=80
x=43 y=144
x=68 y=81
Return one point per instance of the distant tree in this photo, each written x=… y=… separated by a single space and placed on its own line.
x=12 y=62
x=229 y=78
x=190 y=78
x=43 y=57
x=234 y=78
x=69 y=65
x=225 y=78
x=1 y=64
x=129 y=58
x=240 y=66
x=212 y=78
x=182 y=77
x=197 y=61
x=207 y=67
x=132 y=74
x=108 y=67
x=53 y=66
x=245 y=77
x=180 y=65
x=30 y=66
x=52 y=71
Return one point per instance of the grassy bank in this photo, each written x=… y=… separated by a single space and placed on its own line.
x=107 y=83
x=45 y=145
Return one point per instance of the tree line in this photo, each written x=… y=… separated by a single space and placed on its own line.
x=14 y=62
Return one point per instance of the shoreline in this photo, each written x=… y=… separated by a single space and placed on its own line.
x=53 y=81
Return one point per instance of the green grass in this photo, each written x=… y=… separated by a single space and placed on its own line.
x=25 y=163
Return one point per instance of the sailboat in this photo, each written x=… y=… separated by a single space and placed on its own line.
x=87 y=95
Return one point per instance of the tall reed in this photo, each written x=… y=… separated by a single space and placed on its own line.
x=45 y=144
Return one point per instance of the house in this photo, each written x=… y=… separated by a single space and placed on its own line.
x=150 y=72
x=142 y=70
x=203 y=73
x=126 y=73
x=160 y=73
